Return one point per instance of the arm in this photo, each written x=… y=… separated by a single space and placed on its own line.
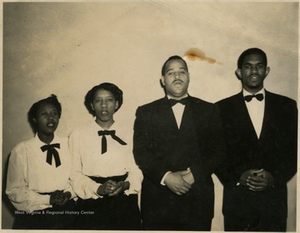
x=212 y=146
x=146 y=152
x=83 y=186
x=17 y=184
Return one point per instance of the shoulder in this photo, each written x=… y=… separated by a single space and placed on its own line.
x=150 y=106
x=229 y=100
x=279 y=99
x=82 y=129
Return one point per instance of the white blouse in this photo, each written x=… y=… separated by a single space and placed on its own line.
x=29 y=174
x=85 y=146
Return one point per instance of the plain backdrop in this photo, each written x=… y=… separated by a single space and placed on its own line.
x=67 y=48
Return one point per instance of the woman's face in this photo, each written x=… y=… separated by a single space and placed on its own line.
x=104 y=104
x=46 y=119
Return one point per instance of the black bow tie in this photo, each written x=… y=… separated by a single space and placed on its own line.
x=259 y=97
x=52 y=152
x=182 y=101
x=112 y=133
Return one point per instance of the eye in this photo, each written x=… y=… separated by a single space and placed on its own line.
x=247 y=66
x=110 y=100
x=169 y=73
x=260 y=66
x=182 y=72
x=96 y=100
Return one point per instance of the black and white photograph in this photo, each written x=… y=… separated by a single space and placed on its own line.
x=150 y=115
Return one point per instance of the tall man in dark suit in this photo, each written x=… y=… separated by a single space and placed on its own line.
x=261 y=135
x=177 y=146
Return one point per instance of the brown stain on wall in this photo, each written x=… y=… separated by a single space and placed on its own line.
x=194 y=54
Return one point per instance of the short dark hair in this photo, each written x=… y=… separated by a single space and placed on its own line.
x=251 y=51
x=52 y=99
x=175 y=57
x=89 y=97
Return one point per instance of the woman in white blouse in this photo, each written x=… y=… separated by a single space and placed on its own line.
x=38 y=173
x=105 y=176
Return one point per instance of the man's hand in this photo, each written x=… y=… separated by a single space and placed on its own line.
x=176 y=183
x=188 y=177
x=257 y=180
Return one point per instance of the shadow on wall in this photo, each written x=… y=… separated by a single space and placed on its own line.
x=7 y=206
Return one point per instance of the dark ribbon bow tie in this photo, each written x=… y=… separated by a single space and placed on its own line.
x=259 y=97
x=182 y=101
x=112 y=133
x=52 y=152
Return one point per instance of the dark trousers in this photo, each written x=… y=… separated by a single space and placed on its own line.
x=119 y=212
x=263 y=223
x=57 y=217
x=203 y=224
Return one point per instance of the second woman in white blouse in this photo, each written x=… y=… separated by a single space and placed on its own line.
x=105 y=175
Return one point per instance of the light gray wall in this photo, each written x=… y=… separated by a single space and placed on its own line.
x=66 y=48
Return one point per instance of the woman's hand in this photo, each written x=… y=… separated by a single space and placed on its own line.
x=120 y=188
x=107 y=188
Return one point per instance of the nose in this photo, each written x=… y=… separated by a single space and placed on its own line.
x=103 y=103
x=177 y=75
x=254 y=70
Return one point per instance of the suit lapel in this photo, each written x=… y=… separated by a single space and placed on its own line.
x=244 y=117
x=166 y=116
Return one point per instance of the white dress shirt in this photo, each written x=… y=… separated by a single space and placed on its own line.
x=256 y=111
x=85 y=145
x=178 y=110
x=29 y=174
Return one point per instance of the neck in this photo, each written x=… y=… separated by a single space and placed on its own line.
x=105 y=124
x=254 y=90
x=46 y=138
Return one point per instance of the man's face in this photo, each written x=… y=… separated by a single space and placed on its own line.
x=253 y=73
x=176 y=79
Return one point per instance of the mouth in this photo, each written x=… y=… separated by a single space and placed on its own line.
x=104 y=112
x=51 y=124
x=254 y=78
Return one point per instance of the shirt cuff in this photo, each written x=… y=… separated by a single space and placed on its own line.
x=162 y=182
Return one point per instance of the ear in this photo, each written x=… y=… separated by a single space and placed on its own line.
x=117 y=105
x=162 y=79
x=34 y=120
x=238 y=74
x=92 y=106
x=267 y=71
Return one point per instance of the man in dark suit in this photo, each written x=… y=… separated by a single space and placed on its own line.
x=261 y=134
x=177 y=147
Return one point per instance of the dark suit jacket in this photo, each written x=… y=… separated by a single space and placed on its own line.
x=159 y=147
x=275 y=151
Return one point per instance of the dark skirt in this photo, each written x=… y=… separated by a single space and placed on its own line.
x=119 y=212
x=57 y=217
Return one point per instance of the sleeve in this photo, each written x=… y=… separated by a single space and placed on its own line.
x=83 y=186
x=285 y=163
x=145 y=154
x=17 y=184
x=135 y=177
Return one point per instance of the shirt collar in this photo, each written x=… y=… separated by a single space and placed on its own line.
x=262 y=91
x=40 y=143
x=186 y=95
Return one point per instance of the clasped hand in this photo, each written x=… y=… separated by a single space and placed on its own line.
x=113 y=188
x=59 y=197
x=257 y=180
x=179 y=182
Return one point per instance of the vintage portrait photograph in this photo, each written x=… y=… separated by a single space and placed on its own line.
x=150 y=115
